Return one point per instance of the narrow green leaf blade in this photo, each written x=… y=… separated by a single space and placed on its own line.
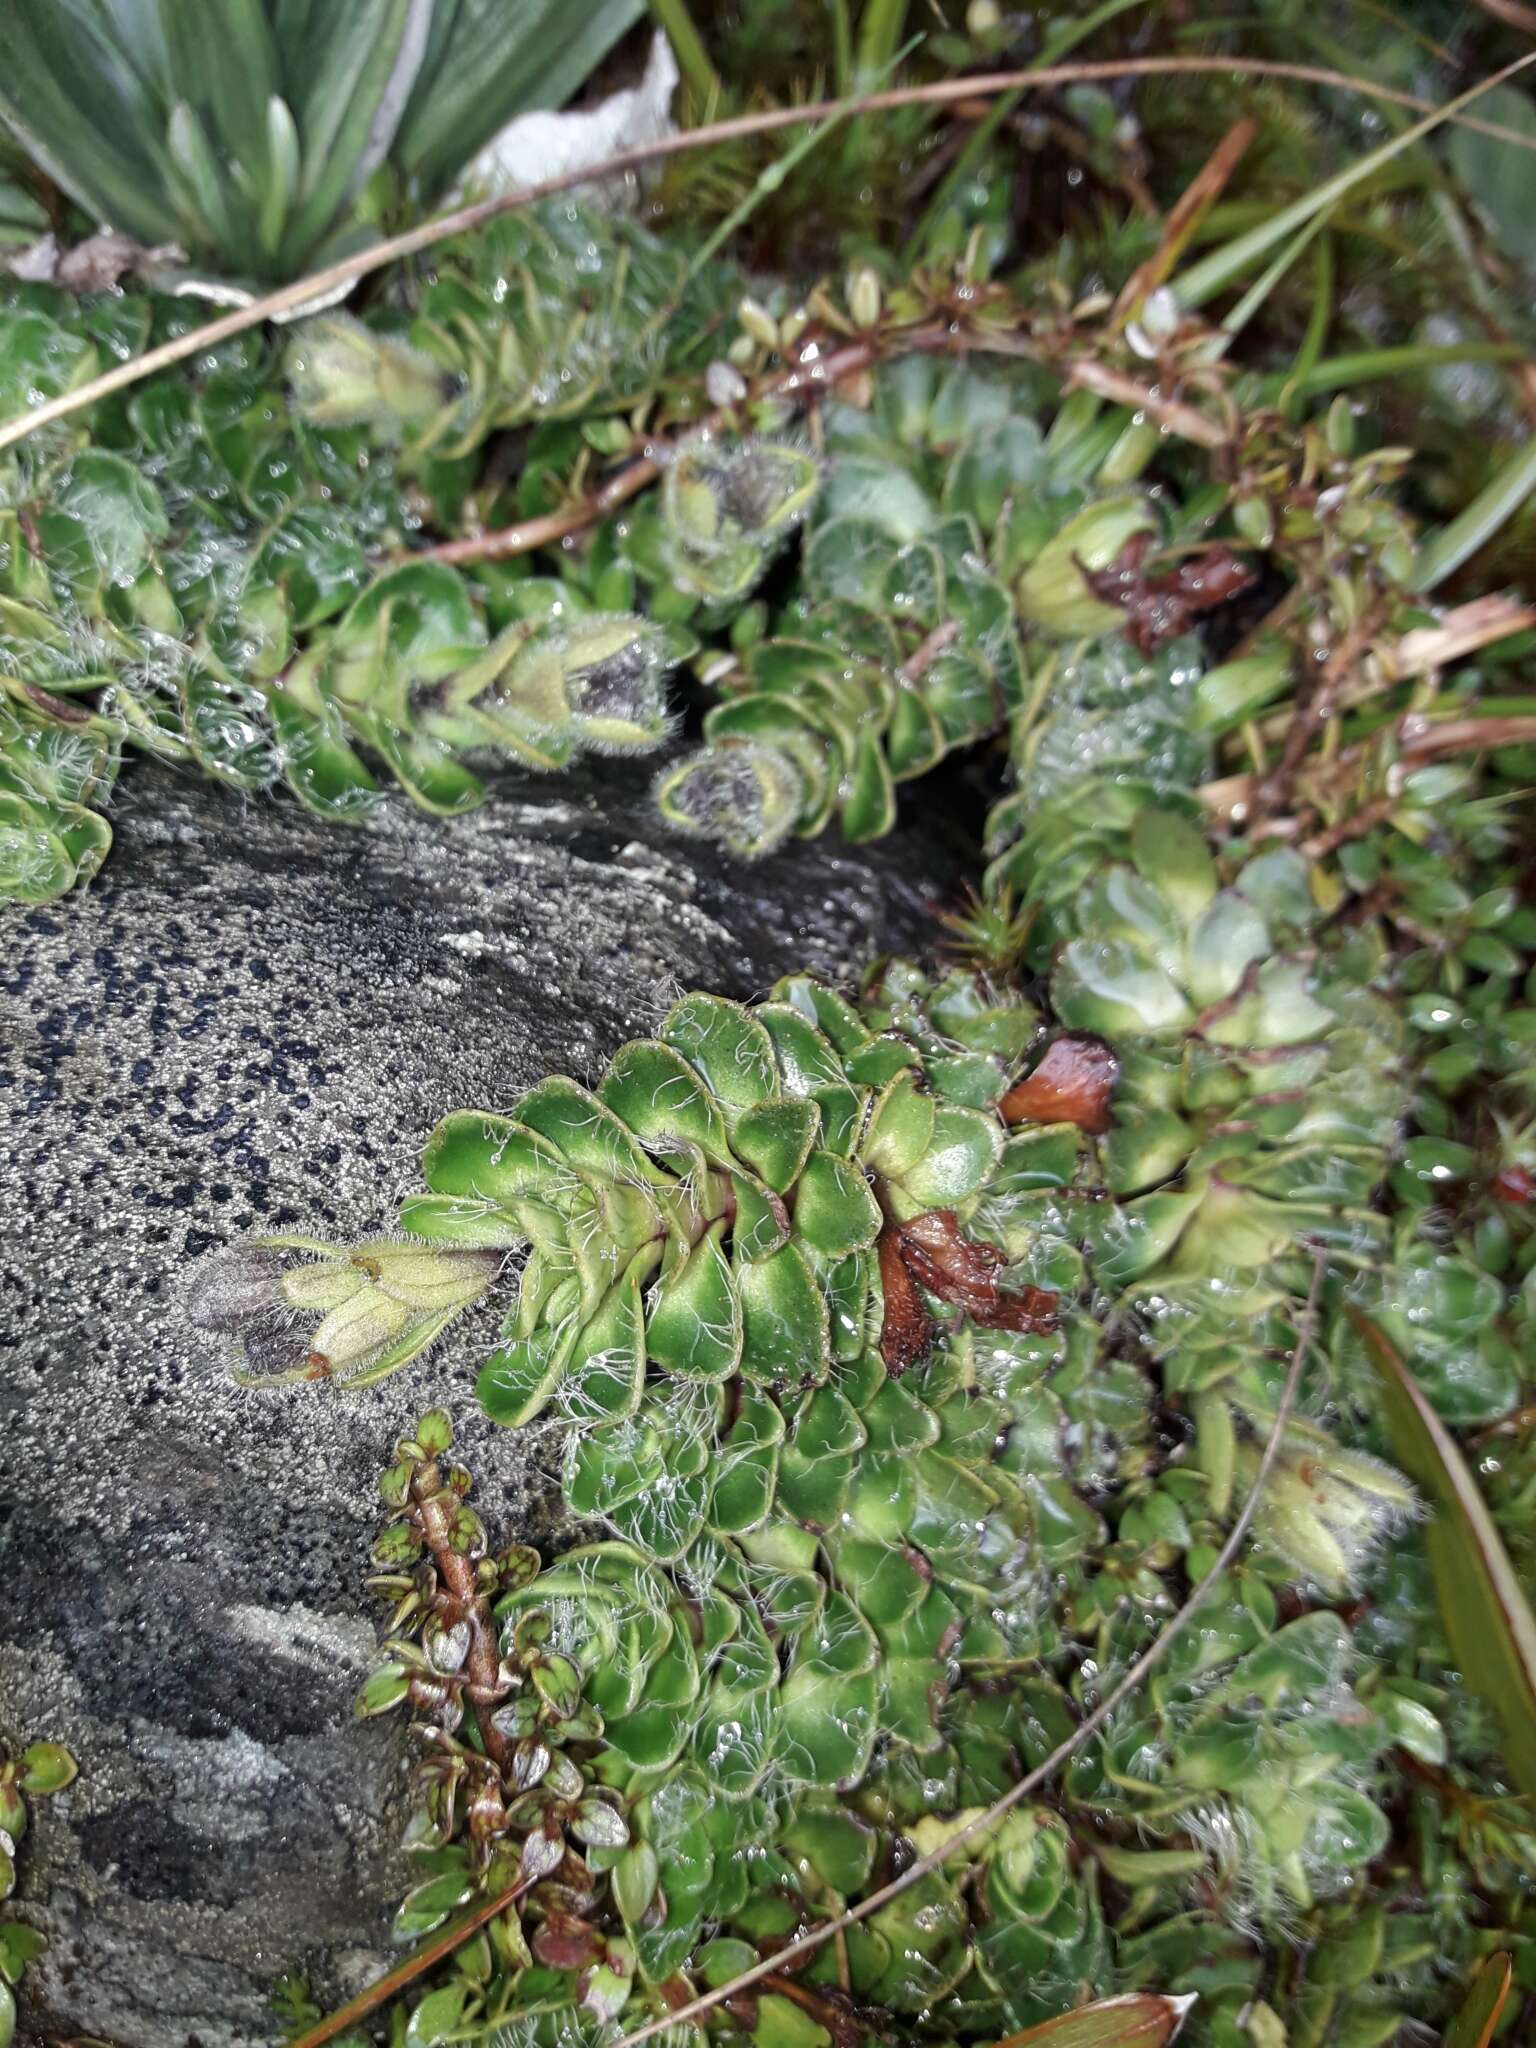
x=1443 y=553
x=1488 y=1620
x=500 y=58
x=1497 y=174
x=364 y=63
x=85 y=116
x=1483 y=2006
x=1203 y=280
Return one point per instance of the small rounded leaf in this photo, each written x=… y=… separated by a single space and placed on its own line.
x=434 y=1432
x=558 y=1681
x=600 y=1825
x=542 y=1854
x=385 y=1689
x=45 y=1768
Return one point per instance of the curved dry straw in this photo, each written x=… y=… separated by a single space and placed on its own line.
x=294 y=297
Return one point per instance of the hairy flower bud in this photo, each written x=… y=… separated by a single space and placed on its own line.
x=721 y=492
x=420 y=1275
x=345 y=375
x=235 y=1287
x=546 y=687
x=745 y=795
x=380 y=1303
x=1326 y=1509
x=728 y=505
x=615 y=672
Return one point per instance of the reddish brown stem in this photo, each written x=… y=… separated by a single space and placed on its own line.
x=939 y=641
x=1513 y=12
x=1172 y=413
x=1275 y=790
x=804 y=380
x=845 y=2027
x=1232 y=796
x=457 y=1573
x=1355 y=826
x=293 y=298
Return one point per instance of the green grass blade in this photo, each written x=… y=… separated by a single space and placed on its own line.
x=1256 y=294
x=285 y=167
x=1499 y=499
x=1059 y=43
x=880 y=37
x=225 y=63
x=699 y=74
x=1487 y=1618
x=1362 y=366
x=208 y=198
x=1203 y=280
x=1483 y=2006
x=351 y=108
x=138 y=31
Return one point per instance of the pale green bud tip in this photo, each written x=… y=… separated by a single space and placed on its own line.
x=758 y=323
x=865 y=298
x=744 y=795
x=422 y=1275
x=342 y=374
x=1326 y=1510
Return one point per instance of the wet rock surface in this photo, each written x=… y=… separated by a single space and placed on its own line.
x=251 y=1022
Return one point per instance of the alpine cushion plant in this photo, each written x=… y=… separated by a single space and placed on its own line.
x=264 y=138
x=912 y=1350
x=227 y=567
x=859 y=1350
x=202 y=575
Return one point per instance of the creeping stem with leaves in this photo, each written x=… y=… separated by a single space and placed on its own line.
x=914 y=1349
x=918 y=1356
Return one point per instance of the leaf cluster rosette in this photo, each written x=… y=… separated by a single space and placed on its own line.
x=201 y=572
x=848 y=1577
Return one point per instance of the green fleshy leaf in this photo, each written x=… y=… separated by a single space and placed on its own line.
x=786 y=1337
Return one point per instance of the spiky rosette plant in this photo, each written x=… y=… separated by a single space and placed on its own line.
x=254 y=140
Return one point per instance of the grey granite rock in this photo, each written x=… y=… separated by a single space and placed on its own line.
x=253 y=1022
